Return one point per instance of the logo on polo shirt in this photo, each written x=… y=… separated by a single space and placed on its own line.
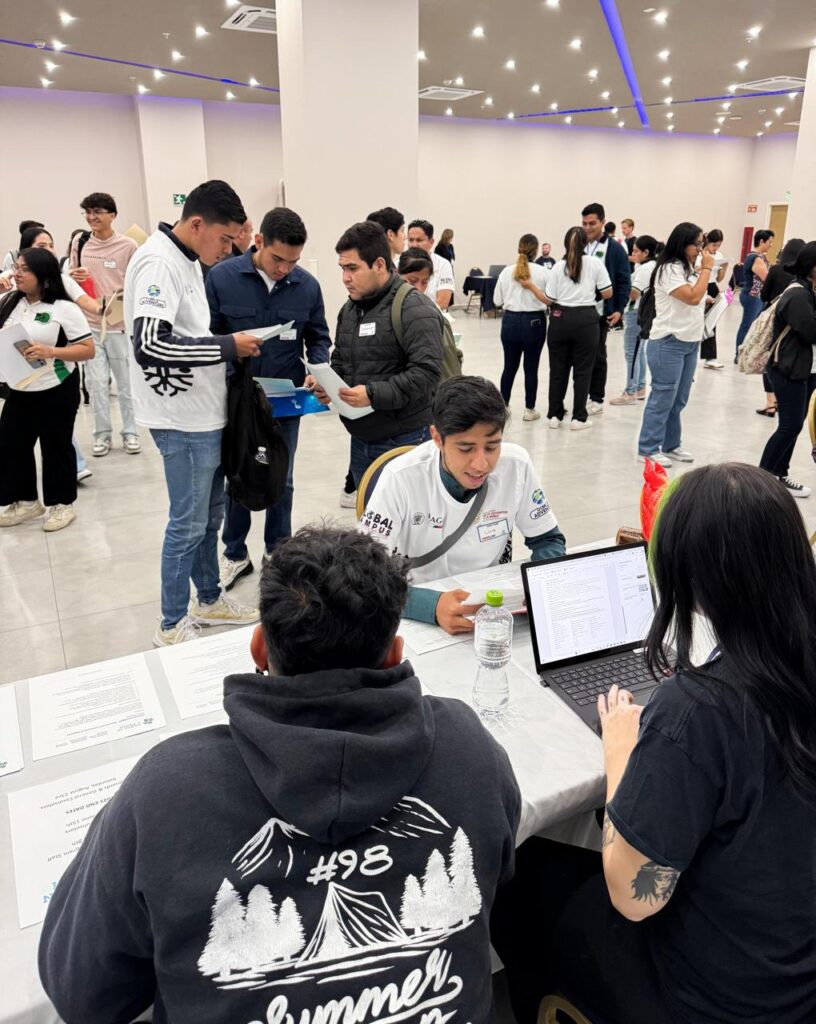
x=542 y=510
x=418 y=519
x=153 y=291
x=538 y=496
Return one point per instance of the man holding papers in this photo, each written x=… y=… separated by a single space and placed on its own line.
x=180 y=392
x=394 y=377
x=451 y=504
x=262 y=288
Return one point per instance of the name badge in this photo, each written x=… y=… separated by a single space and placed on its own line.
x=368 y=330
x=490 y=531
x=109 y=264
x=288 y=335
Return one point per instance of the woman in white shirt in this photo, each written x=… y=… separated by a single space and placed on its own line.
x=712 y=244
x=643 y=256
x=674 y=342
x=575 y=329
x=44 y=406
x=524 y=323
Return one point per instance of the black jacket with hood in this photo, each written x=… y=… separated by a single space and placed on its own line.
x=797 y=310
x=330 y=857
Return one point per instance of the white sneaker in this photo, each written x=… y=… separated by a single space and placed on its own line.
x=348 y=500
x=530 y=415
x=58 y=517
x=230 y=571
x=623 y=399
x=595 y=408
x=795 y=489
x=711 y=364
x=224 y=612
x=554 y=422
x=83 y=474
x=131 y=444
x=20 y=512
x=657 y=457
x=680 y=455
x=101 y=446
x=580 y=424
x=183 y=630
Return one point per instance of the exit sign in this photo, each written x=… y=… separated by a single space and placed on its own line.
x=752 y=208
x=179 y=198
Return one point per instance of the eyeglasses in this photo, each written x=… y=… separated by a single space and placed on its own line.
x=96 y=213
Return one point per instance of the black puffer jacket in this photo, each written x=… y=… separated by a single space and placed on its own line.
x=400 y=379
x=797 y=310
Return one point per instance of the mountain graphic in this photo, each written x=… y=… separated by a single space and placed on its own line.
x=352 y=921
x=262 y=846
x=412 y=818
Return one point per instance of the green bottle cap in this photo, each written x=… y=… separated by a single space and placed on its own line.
x=495 y=598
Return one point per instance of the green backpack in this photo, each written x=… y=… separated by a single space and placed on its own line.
x=451 y=355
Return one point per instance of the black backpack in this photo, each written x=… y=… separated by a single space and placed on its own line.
x=254 y=455
x=647 y=309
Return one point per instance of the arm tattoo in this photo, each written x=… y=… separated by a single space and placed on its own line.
x=609 y=832
x=654 y=883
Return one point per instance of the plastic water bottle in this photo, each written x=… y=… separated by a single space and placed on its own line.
x=261 y=456
x=493 y=643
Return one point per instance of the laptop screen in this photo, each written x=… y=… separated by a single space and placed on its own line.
x=585 y=604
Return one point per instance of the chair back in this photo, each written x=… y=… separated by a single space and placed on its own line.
x=551 y=1006
x=811 y=419
x=372 y=475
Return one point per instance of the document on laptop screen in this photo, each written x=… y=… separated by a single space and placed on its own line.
x=590 y=604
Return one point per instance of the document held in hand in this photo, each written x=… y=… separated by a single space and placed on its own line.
x=331 y=383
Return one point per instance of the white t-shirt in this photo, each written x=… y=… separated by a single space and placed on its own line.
x=162 y=283
x=719 y=260
x=641 y=276
x=43 y=321
x=672 y=316
x=562 y=289
x=441 y=278
x=511 y=296
x=75 y=291
x=412 y=512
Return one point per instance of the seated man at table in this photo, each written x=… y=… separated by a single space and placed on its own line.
x=464 y=476
x=338 y=844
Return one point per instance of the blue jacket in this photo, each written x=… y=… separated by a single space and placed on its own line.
x=239 y=299
x=620 y=274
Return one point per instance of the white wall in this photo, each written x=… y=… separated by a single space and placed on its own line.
x=770 y=178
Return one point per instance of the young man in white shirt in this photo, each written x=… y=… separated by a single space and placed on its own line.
x=440 y=287
x=424 y=496
x=180 y=392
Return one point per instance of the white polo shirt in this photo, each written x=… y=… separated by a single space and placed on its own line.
x=510 y=295
x=562 y=289
x=641 y=276
x=412 y=512
x=673 y=316
x=441 y=278
x=48 y=323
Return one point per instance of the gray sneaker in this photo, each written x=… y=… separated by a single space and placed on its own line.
x=229 y=571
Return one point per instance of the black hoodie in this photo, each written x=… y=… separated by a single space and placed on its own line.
x=331 y=857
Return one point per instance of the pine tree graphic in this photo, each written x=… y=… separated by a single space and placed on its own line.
x=466 y=898
x=436 y=894
x=261 y=926
x=225 y=950
x=289 y=938
x=411 y=908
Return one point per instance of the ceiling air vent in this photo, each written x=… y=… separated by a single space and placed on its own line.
x=445 y=94
x=779 y=83
x=792 y=124
x=253 y=19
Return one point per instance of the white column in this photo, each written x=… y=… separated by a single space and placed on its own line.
x=349 y=118
x=802 y=212
x=173 y=151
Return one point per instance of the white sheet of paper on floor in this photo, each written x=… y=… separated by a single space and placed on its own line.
x=82 y=707
x=196 y=672
x=331 y=382
x=11 y=751
x=48 y=825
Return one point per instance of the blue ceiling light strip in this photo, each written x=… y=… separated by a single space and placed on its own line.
x=610 y=12
x=136 y=64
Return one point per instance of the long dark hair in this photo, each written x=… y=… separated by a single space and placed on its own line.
x=648 y=244
x=682 y=236
x=575 y=242
x=730 y=544
x=30 y=236
x=44 y=265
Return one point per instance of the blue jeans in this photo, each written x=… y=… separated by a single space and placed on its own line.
x=635 y=375
x=522 y=334
x=672 y=364
x=195 y=484
x=751 y=308
x=80 y=458
x=278 y=525
x=363 y=453
x=792 y=397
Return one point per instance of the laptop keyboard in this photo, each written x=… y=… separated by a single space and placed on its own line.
x=584 y=683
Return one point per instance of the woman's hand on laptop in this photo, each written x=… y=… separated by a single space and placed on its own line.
x=451 y=612
x=620 y=724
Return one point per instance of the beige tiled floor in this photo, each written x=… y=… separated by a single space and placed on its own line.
x=91 y=591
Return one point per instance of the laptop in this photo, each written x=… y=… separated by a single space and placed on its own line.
x=496 y=269
x=589 y=615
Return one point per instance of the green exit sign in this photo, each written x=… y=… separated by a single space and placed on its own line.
x=179 y=198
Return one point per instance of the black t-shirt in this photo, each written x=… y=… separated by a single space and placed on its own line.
x=703 y=793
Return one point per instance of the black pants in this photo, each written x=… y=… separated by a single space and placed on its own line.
x=555 y=930
x=47 y=416
x=573 y=346
x=522 y=334
x=792 y=397
x=597 y=384
x=708 y=347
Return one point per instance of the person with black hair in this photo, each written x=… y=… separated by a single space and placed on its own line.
x=332 y=855
x=610 y=228
x=43 y=408
x=393 y=377
x=754 y=270
x=440 y=289
x=179 y=386
x=776 y=282
x=38 y=237
x=416 y=267
x=10 y=259
x=792 y=367
x=610 y=311
x=712 y=244
x=680 y=290
x=643 y=256
x=393 y=224
x=700 y=907
x=263 y=288
x=423 y=497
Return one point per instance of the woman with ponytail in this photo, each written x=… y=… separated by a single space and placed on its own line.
x=524 y=324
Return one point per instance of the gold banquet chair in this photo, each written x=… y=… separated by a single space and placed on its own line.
x=372 y=475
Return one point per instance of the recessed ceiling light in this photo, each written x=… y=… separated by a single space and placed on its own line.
x=233 y=3
x=717 y=131
x=157 y=74
x=614 y=111
x=478 y=32
x=142 y=88
x=51 y=66
x=253 y=82
x=230 y=95
x=621 y=124
x=421 y=55
x=488 y=101
x=552 y=3
x=449 y=112
x=726 y=106
x=754 y=31
x=668 y=100
x=510 y=64
x=742 y=64
x=732 y=88
x=721 y=120
x=760 y=134
x=66 y=18
x=792 y=95
x=200 y=32
x=593 y=73
x=459 y=80
x=661 y=17
x=57 y=45
x=763 y=110
x=664 y=54
x=511 y=115
x=666 y=81
x=553 y=106
x=575 y=44
x=46 y=82
x=669 y=116
x=535 y=88
x=605 y=95
x=670 y=128
x=175 y=55
x=779 y=110
x=768 y=124
x=568 y=119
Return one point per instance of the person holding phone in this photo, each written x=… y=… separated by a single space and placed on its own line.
x=42 y=408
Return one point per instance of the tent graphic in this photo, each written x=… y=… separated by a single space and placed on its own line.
x=352 y=921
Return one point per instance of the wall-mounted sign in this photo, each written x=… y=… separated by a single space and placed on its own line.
x=752 y=208
x=179 y=198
